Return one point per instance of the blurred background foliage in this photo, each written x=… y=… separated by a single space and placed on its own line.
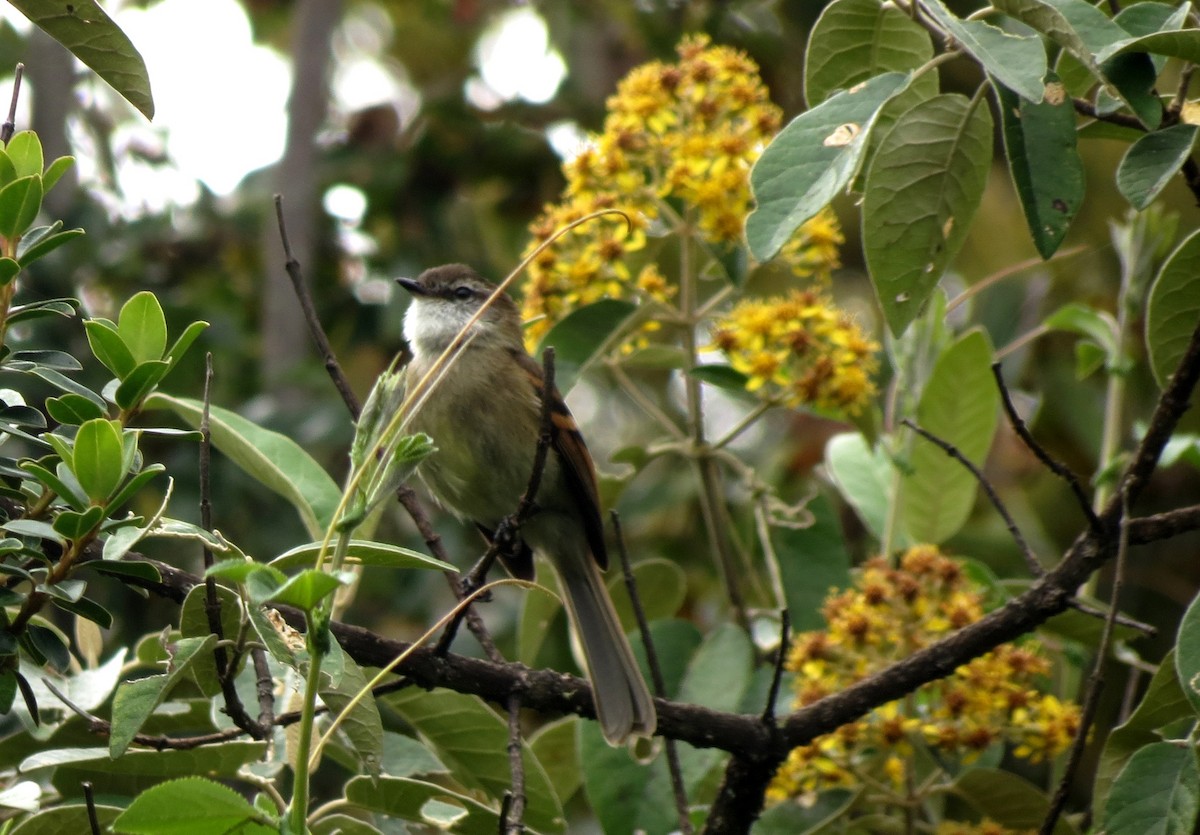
x=449 y=170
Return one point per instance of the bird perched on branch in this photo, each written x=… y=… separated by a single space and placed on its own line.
x=483 y=409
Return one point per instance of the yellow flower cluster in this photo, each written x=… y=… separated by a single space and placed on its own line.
x=677 y=147
x=889 y=614
x=801 y=350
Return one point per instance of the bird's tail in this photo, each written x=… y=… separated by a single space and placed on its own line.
x=623 y=703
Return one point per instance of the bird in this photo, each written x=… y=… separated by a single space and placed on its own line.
x=484 y=413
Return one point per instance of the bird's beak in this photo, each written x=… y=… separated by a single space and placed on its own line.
x=413 y=286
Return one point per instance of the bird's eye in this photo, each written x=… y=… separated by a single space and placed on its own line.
x=463 y=292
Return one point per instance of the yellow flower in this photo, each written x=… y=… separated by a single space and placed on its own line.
x=800 y=350
x=889 y=613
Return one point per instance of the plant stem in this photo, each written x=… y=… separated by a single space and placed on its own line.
x=298 y=812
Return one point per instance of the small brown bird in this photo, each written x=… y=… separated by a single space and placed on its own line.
x=485 y=417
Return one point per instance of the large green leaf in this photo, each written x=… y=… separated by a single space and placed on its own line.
x=1007 y=799
x=864 y=477
x=94 y=39
x=854 y=40
x=1173 y=308
x=192 y=806
x=959 y=405
x=1018 y=61
x=1163 y=703
x=1157 y=793
x=812 y=160
x=426 y=803
x=361 y=723
x=717 y=676
x=923 y=188
x=627 y=796
x=1181 y=43
x=472 y=741
x=1187 y=653
x=1046 y=169
x=812 y=562
x=275 y=460
x=1152 y=161
x=143 y=327
x=581 y=335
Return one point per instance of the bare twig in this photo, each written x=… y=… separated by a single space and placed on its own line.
x=660 y=688
x=1091 y=700
x=1124 y=120
x=1058 y=468
x=89 y=797
x=310 y=316
x=1031 y=560
x=10 y=124
x=513 y=819
x=1122 y=620
x=785 y=629
x=225 y=664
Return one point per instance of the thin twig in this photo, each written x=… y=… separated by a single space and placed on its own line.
x=1124 y=120
x=10 y=124
x=785 y=628
x=89 y=797
x=1122 y=620
x=1095 y=683
x=292 y=266
x=225 y=664
x=1181 y=91
x=513 y=819
x=1031 y=560
x=656 y=676
x=1058 y=468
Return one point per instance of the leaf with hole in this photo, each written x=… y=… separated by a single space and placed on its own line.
x=812 y=160
x=922 y=190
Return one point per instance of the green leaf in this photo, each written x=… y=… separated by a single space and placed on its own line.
x=68 y=489
x=193 y=623
x=25 y=152
x=471 y=740
x=20 y=202
x=9 y=269
x=923 y=188
x=854 y=40
x=665 y=577
x=308 y=588
x=812 y=563
x=864 y=477
x=1182 y=43
x=185 y=340
x=1163 y=703
x=627 y=796
x=411 y=800
x=556 y=746
x=73 y=817
x=1152 y=161
x=142 y=327
x=1173 y=308
x=1009 y=800
x=362 y=725
x=192 y=806
x=130 y=488
x=108 y=347
x=1044 y=162
x=721 y=376
x=42 y=309
x=33 y=528
x=136 y=700
x=792 y=818
x=1157 y=793
x=140 y=383
x=98 y=458
x=275 y=460
x=361 y=552
x=94 y=39
x=76 y=526
x=717 y=677
x=959 y=405
x=1097 y=325
x=812 y=160
x=72 y=409
x=88 y=609
x=32 y=252
x=1187 y=653
x=54 y=172
x=1018 y=61
x=581 y=335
